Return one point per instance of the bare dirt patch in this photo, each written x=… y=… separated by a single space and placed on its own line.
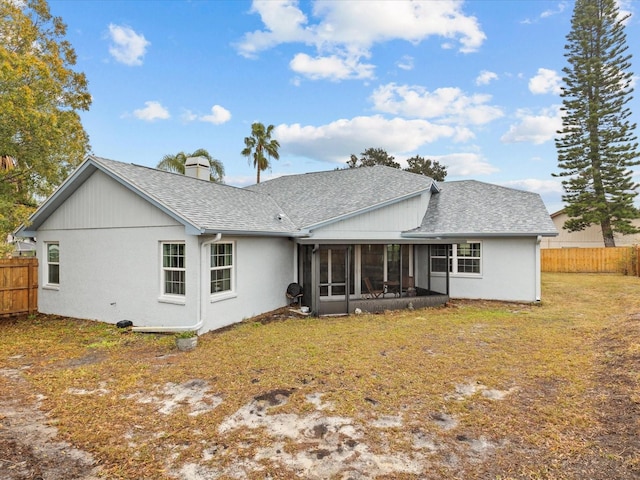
x=29 y=449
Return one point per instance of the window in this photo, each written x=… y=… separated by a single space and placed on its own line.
x=53 y=264
x=173 y=269
x=464 y=258
x=221 y=267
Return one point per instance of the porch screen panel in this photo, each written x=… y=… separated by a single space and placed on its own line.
x=324 y=272
x=338 y=272
x=372 y=264
x=393 y=263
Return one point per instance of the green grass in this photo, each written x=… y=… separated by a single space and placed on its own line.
x=551 y=355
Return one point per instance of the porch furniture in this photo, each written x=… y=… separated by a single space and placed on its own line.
x=372 y=292
x=392 y=286
x=294 y=293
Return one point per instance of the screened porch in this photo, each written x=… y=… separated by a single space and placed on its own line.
x=337 y=279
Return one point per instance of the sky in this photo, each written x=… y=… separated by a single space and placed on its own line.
x=473 y=84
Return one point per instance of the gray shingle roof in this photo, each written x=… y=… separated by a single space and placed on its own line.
x=470 y=208
x=313 y=198
x=203 y=204
x=290 y=205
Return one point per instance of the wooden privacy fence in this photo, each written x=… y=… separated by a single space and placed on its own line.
x=591 y=260
x=18 y=285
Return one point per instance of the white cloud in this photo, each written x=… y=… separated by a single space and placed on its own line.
x=331 y=67
x=406 y=62
x=464 y=164
x=128 y=47
x=486 y=77
x=346 y=31
x=536 y=129
x=536 y=185
x=625 y=9
x=551 y=12
x=219 y=115
x=545 y=81
x=337 y=140
x=152 y=111
x=446 y=105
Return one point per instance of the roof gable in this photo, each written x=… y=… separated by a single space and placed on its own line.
x=314 y=199
x=201 y=206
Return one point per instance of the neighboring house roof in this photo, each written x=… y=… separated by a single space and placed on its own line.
x=200 y=205
x=312 y=199
x=472 y=208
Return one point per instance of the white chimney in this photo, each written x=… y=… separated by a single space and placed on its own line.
x=197 y=167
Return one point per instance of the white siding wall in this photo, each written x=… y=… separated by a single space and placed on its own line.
x=384 y=223
x=110 y=264
x=264 y=269
x=101 y=202
x=114 y=274
x=509 y=272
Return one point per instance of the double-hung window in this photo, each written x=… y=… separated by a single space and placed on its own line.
x=53 y=264
x=221 y=265
x=173 y=269
x=464 y=258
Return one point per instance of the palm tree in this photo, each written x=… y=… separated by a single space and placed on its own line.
x=259 y=143
x=175 y=163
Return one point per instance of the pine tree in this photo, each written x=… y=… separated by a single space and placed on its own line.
x=596 y=146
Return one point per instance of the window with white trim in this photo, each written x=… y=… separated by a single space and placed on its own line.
x=464 y=258
x=173 y=269
x=221 y=266
x=53 y=263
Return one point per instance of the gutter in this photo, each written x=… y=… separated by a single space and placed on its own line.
x=200 y=323
x=438 y=236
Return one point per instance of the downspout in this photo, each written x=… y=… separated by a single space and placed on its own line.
x=537 y=274
x=200 y=298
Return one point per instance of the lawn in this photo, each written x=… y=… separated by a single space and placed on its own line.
x=473 y=390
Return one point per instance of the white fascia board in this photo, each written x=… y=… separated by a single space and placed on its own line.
x=254 y=233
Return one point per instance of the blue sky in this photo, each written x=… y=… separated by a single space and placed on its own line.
x=474 y=84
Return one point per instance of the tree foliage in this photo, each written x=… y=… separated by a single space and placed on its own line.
x=596 y=146
x=371 y=157
x=40 y=96
x=175 y=163
x=260 y=146
x=416 y=164
x=427 y=167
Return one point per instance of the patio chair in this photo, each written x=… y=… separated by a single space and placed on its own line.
x=372 y=292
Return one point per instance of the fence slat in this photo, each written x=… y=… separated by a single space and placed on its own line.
x=591 y=260
x=18 y=286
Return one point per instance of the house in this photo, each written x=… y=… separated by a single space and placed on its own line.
x=590 y=237
x=171 y=252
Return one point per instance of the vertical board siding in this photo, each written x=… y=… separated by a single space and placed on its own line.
x=18 y=286
x=591 y=260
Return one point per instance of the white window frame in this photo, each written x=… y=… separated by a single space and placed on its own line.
x=171 y=297
x=48 y=263
x=221 y=294
x=456 y=259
